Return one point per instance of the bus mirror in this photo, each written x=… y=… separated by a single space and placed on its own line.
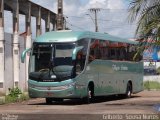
x=23 y=55
x=75 y=51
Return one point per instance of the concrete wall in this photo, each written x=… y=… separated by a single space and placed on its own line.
x=152 y=78
x=8 y=74
x=9 y=83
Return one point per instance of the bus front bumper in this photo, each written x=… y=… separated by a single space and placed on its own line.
x=68 y=91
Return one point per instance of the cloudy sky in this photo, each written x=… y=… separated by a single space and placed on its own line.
x=112 y=17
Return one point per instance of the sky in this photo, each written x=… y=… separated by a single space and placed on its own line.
x=112 y=17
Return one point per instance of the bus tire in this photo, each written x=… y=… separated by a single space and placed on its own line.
x=90 y=95
x=128 y=90
x=48 y=101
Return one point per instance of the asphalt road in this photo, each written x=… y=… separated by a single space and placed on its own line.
x=144 y=105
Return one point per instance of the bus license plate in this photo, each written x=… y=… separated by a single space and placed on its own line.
x=49 y=94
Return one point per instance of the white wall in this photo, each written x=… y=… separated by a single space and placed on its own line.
x=152 y=78
x=9 y=83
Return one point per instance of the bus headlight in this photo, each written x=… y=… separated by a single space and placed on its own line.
x=78 y=86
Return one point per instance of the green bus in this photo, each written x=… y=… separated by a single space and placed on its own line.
x=82 y=64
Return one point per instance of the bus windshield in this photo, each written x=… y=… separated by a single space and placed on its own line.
x=48 y=57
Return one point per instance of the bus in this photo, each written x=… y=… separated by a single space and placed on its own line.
x=82 y=64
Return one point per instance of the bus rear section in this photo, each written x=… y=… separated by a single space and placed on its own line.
x=116 y=68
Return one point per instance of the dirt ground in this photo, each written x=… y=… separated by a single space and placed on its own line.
x=143 y=103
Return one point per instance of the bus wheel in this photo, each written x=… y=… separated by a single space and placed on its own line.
x=128 y=90
x=49 y=101
x=89 y=96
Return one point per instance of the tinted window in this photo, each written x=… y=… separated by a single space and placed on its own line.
x=107 y=50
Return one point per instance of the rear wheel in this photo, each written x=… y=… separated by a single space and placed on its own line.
x=128 y=90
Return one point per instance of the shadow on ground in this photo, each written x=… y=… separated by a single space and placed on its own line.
x=81 y=102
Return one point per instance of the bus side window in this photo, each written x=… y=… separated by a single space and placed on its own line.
x=113 y=54
x=93 y=51
x=131 y=52
x=79 y=62
x=123 y=53
x=81 y=55
x=91 y=55
x=103 y=49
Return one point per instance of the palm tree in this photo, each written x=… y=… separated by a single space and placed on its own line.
x=147 y=13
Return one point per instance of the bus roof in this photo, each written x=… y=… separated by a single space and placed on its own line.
x=72 y=36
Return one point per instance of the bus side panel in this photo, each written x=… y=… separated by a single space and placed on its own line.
x=107 y=78
x=129 y=71
x=92 y=74
x=113 y=76
x=138 y=78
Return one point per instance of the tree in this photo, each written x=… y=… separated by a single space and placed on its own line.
x=147 y=12
x=147 y=15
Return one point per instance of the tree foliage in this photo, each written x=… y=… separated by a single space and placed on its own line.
x=147 y=13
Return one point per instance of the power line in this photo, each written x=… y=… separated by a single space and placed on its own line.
x=117 y=27
x=75 y=26
x=114 y=9
x=80 y=17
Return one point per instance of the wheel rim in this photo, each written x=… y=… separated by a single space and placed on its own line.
x=89 y=94
x=129 y=91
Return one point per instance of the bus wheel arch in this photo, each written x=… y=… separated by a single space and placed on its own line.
x=91 y=87
x=90 y=93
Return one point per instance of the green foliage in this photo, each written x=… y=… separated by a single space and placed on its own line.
x=149 y=85
x=15 y=92
x=147 y=13
x=9 y=99
x=15 y=95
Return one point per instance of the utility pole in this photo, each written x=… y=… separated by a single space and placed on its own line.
x=95 y=10
x=60 y=20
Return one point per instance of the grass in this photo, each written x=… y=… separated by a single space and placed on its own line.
x=11 y=99
x=20 y=98
x=150 y=85
x=15 y=95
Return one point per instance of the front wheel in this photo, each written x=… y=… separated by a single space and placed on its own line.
x=89 y=96
x=49 y=101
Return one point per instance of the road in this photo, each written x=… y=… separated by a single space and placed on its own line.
x=144 y=103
